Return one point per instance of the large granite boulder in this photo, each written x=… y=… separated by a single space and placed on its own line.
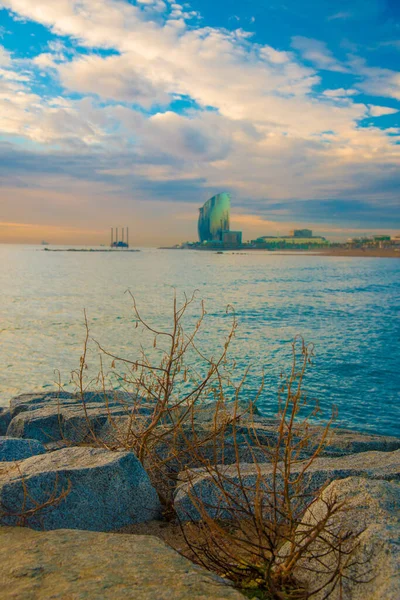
x=249 y=426
x=204 y=485
x=62 y=417
x=83 y=565
x=17 y=449
x=105 y=490
x=372 y=513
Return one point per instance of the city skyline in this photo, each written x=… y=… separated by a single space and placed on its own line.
x=136 y=112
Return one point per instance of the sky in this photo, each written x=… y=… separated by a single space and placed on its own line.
x=134 y=112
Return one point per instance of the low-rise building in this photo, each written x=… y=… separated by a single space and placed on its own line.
x=289 y=242
x=232 y=238
x=395 y=239
x=301 y=233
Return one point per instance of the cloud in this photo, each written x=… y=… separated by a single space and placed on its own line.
x=5 y=57
x=379 y=111
x=357 y=213
x=377 y=81
x=391 y=44
x=254 y=120
x=340 y=93
x=343 y=15
x=317 y=53
x=122 y=78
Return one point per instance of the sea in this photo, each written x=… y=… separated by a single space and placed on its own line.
x=347 y=307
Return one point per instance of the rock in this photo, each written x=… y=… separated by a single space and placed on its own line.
x=200 y=484
x=5 y=419
x=83 y=565
x=237 y=442
x=345 y=441
x=108 y=490
x=25 y=402
x=372 y=512
x=339 y=442
x=56 y=417
x=53 y=415
x=16 y=449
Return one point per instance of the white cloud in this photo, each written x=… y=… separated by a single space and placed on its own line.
x=122 y=78
x=377 y=81
x=44 y=121
x=45 y=60
x=317 y=53
x=5 y=59
x=275 y=56
x=379 y=111
x=340 y=93
x=343 y=15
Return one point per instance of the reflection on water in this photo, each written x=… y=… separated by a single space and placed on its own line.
x=349 y=308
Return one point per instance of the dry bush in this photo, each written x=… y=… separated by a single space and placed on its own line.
x=245 y=521
x=246 y=527
x=160 y=398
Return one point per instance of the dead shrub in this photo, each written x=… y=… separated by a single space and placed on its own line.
x=246 y=527
x=248 y=518
x=162 y=396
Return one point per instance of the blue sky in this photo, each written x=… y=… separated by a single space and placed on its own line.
x=134 y=112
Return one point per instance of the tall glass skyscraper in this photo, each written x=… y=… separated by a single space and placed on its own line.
x=214 y=218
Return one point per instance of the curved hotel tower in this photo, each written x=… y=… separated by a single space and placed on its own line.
x=214 y=218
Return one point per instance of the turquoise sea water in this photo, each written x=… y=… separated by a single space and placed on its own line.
x=348 y=307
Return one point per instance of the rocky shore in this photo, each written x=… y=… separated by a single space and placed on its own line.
x=74 y=496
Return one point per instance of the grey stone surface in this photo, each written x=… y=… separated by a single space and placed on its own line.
x=344 y=441
x=25 y=402
x=18 y=449
x=55 y=417
x=5 y=419
x=199 y=484
x=108 y=490
x=83 y=565
x=339 y=441
x=372 y=512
